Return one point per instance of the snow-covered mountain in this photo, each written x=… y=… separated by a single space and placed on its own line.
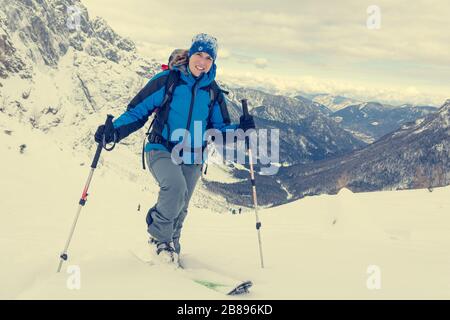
x=332 y=102
x=90 y=70
x=415 y=156
x=374 y=119
x=64 y=79
x=62 y=76
x=63 y=82
x=307 y=133
x=367 y=121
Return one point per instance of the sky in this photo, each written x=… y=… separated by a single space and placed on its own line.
x=389 y=51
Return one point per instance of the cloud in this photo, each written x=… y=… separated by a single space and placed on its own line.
x=224 y=53
x=306 y=27
x=315 y=37
x=393 y=94
x=260 y=63
x=154 y=50
x=297 y=27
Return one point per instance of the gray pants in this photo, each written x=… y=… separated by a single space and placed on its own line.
x=177 y=183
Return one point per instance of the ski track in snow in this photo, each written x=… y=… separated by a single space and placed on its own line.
x=317 y=247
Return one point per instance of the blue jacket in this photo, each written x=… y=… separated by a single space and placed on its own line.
x=190 y=92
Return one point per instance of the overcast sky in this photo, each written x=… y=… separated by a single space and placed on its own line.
x=311 y=46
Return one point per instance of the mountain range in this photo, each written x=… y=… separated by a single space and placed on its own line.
x=374 y=120
x=415 y=156
x=63 y=79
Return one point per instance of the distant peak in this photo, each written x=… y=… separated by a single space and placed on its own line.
x=447 y=103
x=345 y=192
x=445 y=106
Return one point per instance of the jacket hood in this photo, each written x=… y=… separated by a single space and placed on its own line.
x=204 y=80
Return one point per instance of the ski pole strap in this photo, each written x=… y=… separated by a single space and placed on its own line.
x=258 y=225
x=114 y=143
x=143 y=154
x=108 y=126
x=145 y=139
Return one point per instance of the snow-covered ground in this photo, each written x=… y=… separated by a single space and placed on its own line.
x=366 y=246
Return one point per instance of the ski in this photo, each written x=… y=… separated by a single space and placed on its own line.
x=207 y=278
x=217 y=281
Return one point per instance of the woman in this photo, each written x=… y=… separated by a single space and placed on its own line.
x=188 y=109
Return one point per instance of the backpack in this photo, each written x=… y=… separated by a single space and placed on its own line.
x=154 y=132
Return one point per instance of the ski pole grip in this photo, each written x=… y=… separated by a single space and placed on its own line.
x=108 y=123
x=245 y=108
x=97 y=156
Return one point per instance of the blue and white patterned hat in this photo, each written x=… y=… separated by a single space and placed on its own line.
x=204 y=43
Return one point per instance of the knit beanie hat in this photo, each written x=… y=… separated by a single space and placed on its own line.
x=204 y=43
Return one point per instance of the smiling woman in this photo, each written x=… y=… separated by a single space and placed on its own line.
x=182 y=95
x=200 y=62
x=202 y=53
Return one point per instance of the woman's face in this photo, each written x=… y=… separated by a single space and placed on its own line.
x=200 y=62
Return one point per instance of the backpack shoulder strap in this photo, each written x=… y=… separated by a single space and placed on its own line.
x=163 y=112
x=172 y=82
x=217 y=95
x=151 y=87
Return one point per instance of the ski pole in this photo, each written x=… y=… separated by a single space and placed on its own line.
x=252 y=176
x=63 y=257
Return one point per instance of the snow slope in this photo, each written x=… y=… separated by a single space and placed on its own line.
x=317 y=247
